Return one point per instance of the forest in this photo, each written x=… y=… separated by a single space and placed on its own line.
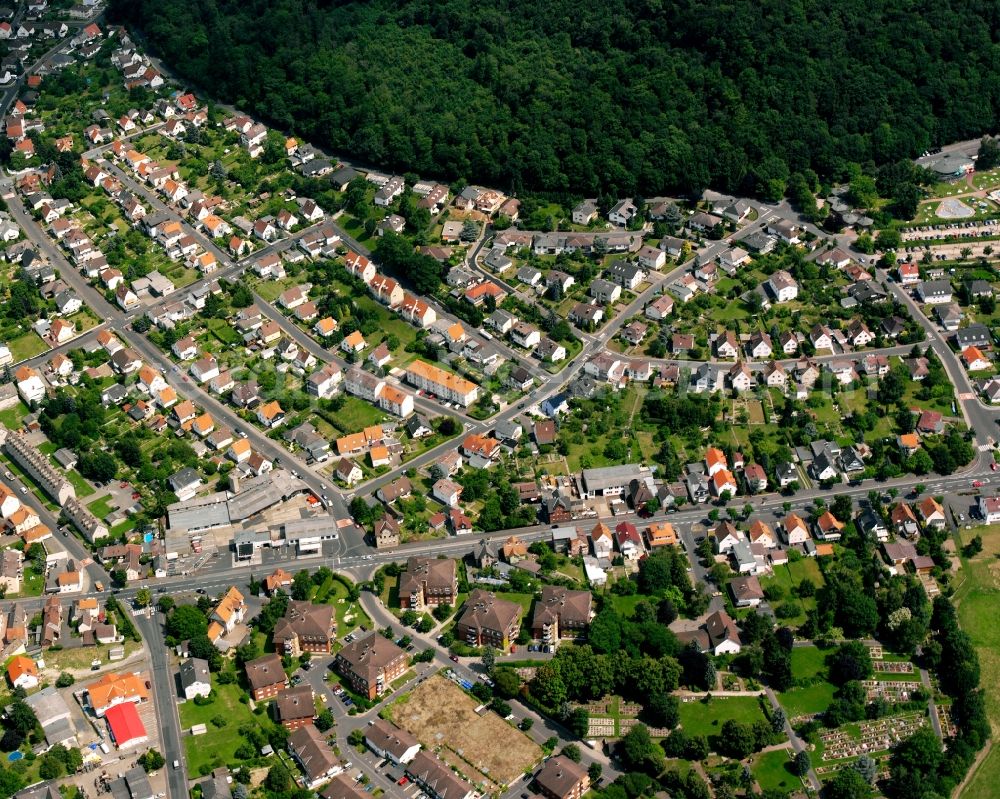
x=562 y=96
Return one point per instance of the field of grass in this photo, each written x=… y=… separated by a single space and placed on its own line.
x=771 y=770
x=808 y=662
x=32 y=584
x=807 y=700
x=976 y=599
x=27 y=346
x=625 y=605
x=524 y=600
x=223 y=331
x=706 y=718
x=270 y=289
x=356 y=414
x=83 y=488
x=11 y=417
x=100 y=507
x=390 y=592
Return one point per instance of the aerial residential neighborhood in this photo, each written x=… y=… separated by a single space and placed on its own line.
x=323 y=479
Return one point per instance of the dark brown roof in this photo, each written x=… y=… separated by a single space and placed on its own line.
x=312 y=751
x=560 y=776
x=387 y=737
x=370 y=655
x=746 y=588
x=343 y=787
x=429 y=573
x=304 y=620
x=442 y=781
x=295 y=704
x=563 y=604
x=265 y=670
x=486 y=611
x=721 y=627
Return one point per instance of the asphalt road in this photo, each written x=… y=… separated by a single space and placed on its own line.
x=164 y=683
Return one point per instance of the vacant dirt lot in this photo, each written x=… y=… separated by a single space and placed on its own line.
x=439 y=713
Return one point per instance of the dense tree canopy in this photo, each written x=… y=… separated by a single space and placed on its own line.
x=622 y=97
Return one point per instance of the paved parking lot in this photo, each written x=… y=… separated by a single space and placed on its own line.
x=988 y=227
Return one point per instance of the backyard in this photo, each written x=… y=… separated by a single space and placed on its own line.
x=219 y=744
x=788 y=577
x=349 y=614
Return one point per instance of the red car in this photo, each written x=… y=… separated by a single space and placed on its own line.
x=453 y=657
x=403 y=781
x=993 y=466
x=977 y=483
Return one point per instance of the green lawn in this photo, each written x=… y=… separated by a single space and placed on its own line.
x=11 y=417
x=27 y=346
x=349 y=614
x=808 y=700
x=976 y=600
x=122 y=527
x=223 y=331
x=356 y=414
x=707 y=718
x=771 y=771
x=270 y=289
x=390 y=592
x=788 y=576
x=101 y=507
x=524 y=600
x=32 y=584
x=625 y=605
x=808 y=662
x=83 y=488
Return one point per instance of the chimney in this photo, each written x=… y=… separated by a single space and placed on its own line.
x=234 y=481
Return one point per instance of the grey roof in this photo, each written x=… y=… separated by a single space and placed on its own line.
x=194 y=670
x=972 y=334
x=184 y=478
x=607 y=476
x=308 y=528
x=216 y=787
x=742 y=552
x=48 y=705
x=935 y=288
x=133 y=784
x=389 y=738
x=199 y=513
x=262 y=492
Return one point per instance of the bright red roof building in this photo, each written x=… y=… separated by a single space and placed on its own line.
x=126 y=727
